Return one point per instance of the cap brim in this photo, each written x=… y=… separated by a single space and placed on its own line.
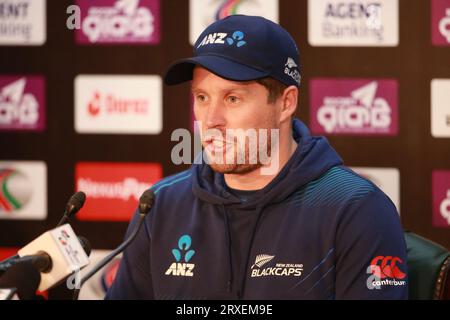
x=181 y=71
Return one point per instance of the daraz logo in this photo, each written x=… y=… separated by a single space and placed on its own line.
x=179 y=268
x=237 y=38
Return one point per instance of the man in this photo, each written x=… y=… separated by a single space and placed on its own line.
x=294 y=225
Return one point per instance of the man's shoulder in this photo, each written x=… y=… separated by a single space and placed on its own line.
x=176 y=183
x=336 y=187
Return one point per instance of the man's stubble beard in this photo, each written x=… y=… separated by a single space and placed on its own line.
x=246 y=167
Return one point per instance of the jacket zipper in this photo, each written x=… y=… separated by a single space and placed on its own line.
x=241 y=290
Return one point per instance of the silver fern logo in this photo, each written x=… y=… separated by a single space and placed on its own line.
x=262 y=259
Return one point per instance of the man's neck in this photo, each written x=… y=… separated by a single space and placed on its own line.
x=254 y=180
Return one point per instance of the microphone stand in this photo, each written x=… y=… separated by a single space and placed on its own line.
x=110 y=256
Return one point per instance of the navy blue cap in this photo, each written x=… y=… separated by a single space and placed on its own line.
x=242 y=48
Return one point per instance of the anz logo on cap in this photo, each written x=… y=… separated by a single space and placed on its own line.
x=237 y=38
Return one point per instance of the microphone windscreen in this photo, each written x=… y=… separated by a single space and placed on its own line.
x=76 y=202
x=24 y=277
x=146 y=201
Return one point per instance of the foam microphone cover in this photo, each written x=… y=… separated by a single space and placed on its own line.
x=24 y=277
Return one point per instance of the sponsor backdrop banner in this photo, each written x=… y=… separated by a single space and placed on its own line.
x=387 y=179
x=118 y=104
x=23 y=192
x=440 y=108
x=204 y=12
x=22 y=103
x=440 y=22
x=96 y=287
x=113 y=189
x=23 y=22
x=83 y=106
x=441 y=198
x=354 y=107
x=353 y=23
x=118 y=22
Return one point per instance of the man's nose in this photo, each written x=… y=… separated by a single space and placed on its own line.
x=215 y=115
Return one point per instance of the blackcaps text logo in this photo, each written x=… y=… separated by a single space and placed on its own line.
x=276 y=270
x=291 y=69
x=180 y=268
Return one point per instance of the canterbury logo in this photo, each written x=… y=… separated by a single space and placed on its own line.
x=386 y=267
x=262 y=259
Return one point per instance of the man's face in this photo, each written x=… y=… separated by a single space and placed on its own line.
x=221 y=105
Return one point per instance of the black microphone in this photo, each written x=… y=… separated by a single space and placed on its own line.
x=22 y=279
x=146 y=202
x=74 y=205
x=41 y=261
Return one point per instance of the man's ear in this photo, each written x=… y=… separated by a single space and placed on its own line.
x=288 y=101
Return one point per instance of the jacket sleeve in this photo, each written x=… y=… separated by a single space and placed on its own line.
x=133 y=279
x=371 y=260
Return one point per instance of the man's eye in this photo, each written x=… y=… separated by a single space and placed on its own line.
x=233 y=99
x=201 y=98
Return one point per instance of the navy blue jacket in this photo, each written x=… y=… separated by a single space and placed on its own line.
x=317 y=231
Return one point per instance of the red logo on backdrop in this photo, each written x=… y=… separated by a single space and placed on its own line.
x=109 y=274
x=112 y=104
x=7 y=252
x=386 y=267
x=94 y=104
x=113 y=189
